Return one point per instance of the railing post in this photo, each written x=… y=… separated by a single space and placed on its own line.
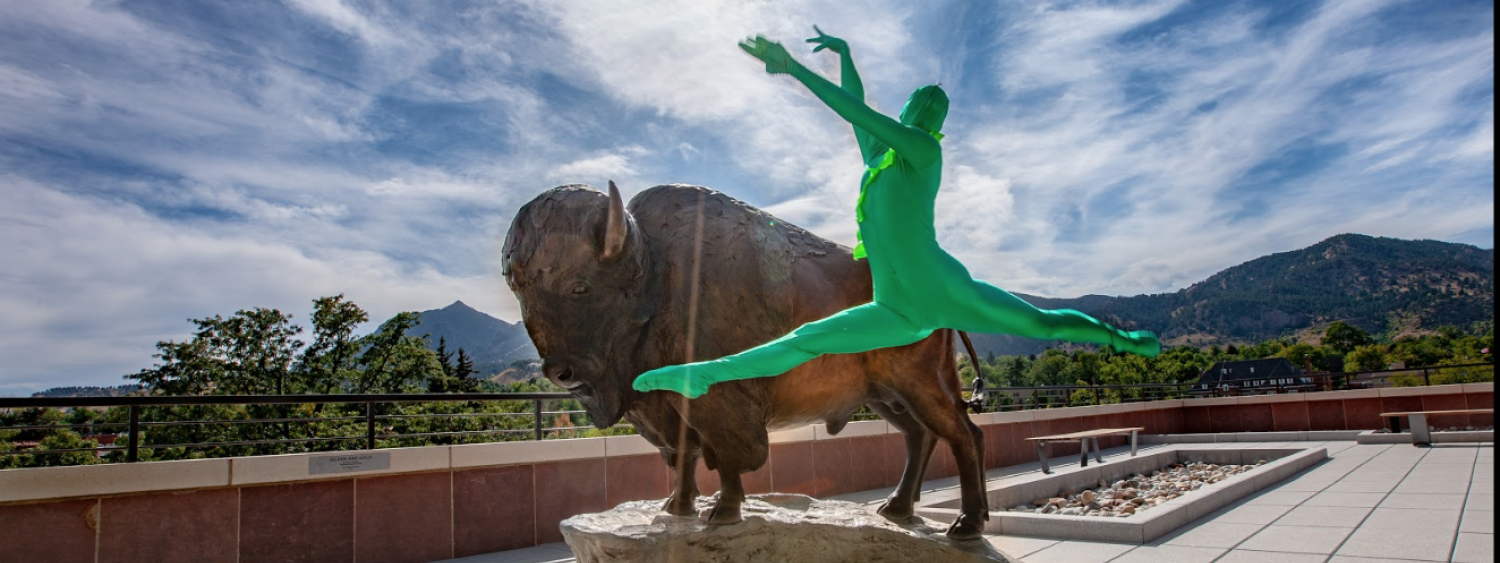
x=370 y=425
x=536 y=409
x=133 y=445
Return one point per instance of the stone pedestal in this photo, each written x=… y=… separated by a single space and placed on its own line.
x=780 y=528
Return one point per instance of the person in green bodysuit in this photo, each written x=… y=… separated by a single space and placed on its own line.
x=919 y=287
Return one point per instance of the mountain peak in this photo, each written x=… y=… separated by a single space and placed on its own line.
x=491 y=342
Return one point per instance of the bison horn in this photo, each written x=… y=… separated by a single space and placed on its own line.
x=616 y=228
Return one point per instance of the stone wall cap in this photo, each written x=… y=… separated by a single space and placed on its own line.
x=52 y=483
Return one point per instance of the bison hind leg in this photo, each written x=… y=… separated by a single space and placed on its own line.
x=967 y=527
x=900 y=507
x=835 y=425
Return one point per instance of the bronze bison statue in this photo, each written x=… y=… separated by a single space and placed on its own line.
x=685 y=273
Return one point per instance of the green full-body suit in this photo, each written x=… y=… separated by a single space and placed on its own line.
x=919 y=287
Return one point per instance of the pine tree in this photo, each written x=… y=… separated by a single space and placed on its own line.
x=463 y=370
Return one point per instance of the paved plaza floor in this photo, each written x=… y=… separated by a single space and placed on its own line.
x=1366 y=504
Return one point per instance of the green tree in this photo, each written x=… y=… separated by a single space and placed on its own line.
x=464 y=373
x=329 y=363
x=1015 y=371
x=250 y=352
x=1367 y=357
x=393 y=362
x=1049 y=369
x=63 y=439
x=1342 y=337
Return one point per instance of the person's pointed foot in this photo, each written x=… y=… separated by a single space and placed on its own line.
x=677 y=379
x=1144 y=342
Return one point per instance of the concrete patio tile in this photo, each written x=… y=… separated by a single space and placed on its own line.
x=545 y=553
x=1325 y=516
x=1407 y=500
x=1481 y=502
x=1305 y=485
x=1478 y=521
x=1348 y=559
x=1420 y=475
x=1361 y=500
x=1486 y=477
x=1251 y=514
x=1248 y=556
x=1381 y=465
x=1392 y=476
x=1474 y=548
x=1444 y=456
x=1213 y=534
x=1297 y=539
x=1460 y=479
x=1425 y=535
x=1444 y=470
x=1327 y=473
x=1019 y=546
x=1169 y=554
x=1078 y=552
x=1361 y=487
x=1283 y=498
x=1433 y=487
x=1335 y=447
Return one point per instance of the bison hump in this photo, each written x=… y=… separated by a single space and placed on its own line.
x=751 y=265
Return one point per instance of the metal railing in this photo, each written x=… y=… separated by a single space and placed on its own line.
x=367 y=409
x=131 y=429
x=1025 y=398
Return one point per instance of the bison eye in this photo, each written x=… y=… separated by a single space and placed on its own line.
x=580 y=289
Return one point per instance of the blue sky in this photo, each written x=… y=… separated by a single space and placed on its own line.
x=161 y=160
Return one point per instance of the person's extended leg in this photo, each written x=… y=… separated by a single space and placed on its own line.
x=857 y=329
x=981 y=307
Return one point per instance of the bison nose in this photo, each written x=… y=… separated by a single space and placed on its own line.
x=560 y=374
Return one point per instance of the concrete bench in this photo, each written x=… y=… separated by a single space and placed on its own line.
x=1084 y=438
x=1417 y=420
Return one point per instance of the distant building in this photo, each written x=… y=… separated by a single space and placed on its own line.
x=1245 y=375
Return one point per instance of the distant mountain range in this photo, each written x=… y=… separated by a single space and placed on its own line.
x=1382 y=285
x=88 y=391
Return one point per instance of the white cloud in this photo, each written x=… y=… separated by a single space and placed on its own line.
x=87 y=294
x=346 y=19
x=595 y=170
x=159 y=168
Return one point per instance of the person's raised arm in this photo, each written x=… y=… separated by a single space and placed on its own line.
x=848 y=76
x=849 y=80
x=916 y=146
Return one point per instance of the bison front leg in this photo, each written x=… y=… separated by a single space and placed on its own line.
x=684 y=499
x=733 y=452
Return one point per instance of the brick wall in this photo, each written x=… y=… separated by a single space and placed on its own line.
x=444 y=502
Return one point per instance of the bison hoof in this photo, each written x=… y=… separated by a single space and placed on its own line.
x=898 y=512
x=967 y=527
x=722 y=515
x=680 y=506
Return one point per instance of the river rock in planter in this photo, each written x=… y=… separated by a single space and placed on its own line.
x=776 y=527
